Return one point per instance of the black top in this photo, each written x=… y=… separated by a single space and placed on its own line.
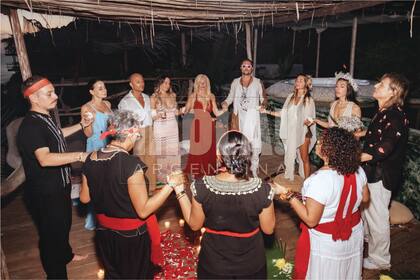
x=232 y=207
x=386 y=140
x=39 y=131
x=107 y=179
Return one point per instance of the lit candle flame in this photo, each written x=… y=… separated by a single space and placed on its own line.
x=101 y=274
x=181 y=222
x=167 y=224
x=203 y=230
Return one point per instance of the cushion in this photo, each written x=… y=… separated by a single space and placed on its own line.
x=399 y=213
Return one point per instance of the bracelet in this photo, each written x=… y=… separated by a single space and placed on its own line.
x=180 y=194
x=290 y=195
x=80 y=157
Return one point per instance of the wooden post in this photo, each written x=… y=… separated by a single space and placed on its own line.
x=353 y=46
x=318 y=31
x=255 y=49
x=293 y=42
x=248 y=40
x=25 y=68
x=183 y=49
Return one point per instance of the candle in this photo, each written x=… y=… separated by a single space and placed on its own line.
x=203 y=230
x=181 y=222
x=167 y=224
x=101 y=274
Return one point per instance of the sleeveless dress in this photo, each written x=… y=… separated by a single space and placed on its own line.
x=202 y=156
x=166 y=140
x=346 y=113
x=94 y=143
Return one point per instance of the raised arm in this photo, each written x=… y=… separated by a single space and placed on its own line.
x=193 y=213
x=143 y=205
x=310 y=212
x=87 y=130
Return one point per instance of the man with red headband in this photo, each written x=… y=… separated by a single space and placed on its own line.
x=47 y=168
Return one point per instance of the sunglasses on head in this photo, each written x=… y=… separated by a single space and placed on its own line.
x=246 y=66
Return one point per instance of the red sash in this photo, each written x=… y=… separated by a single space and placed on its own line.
x=340 y=228
x=130 y=224
x=233 y=234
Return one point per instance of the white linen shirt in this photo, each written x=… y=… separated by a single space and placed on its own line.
x=130 y=103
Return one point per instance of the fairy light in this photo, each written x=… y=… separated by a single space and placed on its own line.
x=167 y=224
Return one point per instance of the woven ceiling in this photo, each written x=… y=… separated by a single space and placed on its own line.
x=190 y=12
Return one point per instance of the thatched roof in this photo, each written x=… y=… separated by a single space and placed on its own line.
x=191 y=12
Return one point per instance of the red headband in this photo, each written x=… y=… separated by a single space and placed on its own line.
x=35 y=87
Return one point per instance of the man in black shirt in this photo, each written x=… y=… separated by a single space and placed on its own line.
x=383 y=158
x=47 y=168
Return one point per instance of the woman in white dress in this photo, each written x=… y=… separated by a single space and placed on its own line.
x=165 y=129
x=331 y=243
x=297 y=129
x=345 y=104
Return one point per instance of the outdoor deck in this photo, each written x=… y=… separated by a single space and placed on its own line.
x=19 y=238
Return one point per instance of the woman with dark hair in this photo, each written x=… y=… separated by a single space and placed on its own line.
x=165 y=128
x=233 y=207
x=345 y=104
x=127 y=236
x=99 y=110
x=331 y=243
x=297 y=131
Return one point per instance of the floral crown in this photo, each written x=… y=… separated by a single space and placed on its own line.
x=348 y=78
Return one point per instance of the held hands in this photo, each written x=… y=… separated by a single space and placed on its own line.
x=225 y=106
x=309 y=121
x=176 y=180
x=279 y=189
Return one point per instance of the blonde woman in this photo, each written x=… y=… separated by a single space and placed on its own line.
x=297 y=129
x=165 y=128
x=202 y=155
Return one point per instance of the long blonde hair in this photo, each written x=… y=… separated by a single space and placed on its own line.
x=308 y=88
x=197 y=82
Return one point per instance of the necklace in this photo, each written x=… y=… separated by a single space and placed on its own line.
x=118 y=147
x=244 y=100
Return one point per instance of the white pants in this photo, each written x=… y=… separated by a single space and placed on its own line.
x=376 y=224
x=255 y=161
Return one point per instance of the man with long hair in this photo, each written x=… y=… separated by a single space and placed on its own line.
x=383 y=157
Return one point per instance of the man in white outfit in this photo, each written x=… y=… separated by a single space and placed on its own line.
x=138 y=102
x=247 y=95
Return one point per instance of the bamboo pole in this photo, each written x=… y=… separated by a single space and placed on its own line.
x=353 y=46
x=293 y=42
x=248 y=35
x=318 y=50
